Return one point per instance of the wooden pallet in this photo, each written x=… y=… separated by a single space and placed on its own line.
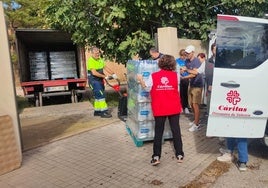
x=136 y=141
x=140 y=142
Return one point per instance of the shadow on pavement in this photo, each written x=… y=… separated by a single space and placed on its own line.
x=257 y=148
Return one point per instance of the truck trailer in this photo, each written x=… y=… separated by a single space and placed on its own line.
x=50 y=65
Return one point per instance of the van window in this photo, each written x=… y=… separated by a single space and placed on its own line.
x=241 y=45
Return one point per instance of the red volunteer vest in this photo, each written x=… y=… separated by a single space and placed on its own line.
x=165 y=95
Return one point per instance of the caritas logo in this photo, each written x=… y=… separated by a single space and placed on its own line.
x=233 y=97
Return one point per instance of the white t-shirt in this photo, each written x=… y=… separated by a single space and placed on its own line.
x=201 y=69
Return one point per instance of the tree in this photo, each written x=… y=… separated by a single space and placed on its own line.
x=123 y=28
x=23 y=14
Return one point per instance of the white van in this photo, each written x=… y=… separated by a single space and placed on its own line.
x=239 y=100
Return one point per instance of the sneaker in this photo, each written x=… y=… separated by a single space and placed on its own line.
x=186 y=111
x=194 y=128
x=241 y=166
x=227 y=157
x=180 y=158
x=223 y=151
x=155 y=161
x=192 y=123
x=106 y=115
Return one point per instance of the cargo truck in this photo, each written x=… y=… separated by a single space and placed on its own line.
x=50 y=65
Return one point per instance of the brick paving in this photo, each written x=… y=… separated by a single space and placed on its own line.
x=108 y=157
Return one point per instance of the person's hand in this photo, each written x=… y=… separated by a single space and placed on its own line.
x=209 y=88
x=139 y=77
x=183 y=68
x=108 y=78
x=114 y=76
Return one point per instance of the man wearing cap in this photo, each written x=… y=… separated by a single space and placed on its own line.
x=196 y=85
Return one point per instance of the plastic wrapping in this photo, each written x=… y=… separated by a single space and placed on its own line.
x=38 y=65
x=140 y=116
x=63 y=64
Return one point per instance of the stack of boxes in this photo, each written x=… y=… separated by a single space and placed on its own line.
x=140 y=116
x=63 y=65
x=60 y=65
x=38 y=65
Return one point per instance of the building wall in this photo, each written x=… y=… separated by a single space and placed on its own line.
x=10 y=143
x=169 y=43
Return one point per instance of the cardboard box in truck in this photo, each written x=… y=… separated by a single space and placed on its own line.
x=50 y=64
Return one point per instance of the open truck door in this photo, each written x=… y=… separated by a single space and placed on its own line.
x=239 y=100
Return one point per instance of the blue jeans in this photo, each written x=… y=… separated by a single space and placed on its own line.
x=242 y=147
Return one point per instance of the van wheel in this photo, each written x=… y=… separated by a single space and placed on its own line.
x=265 y=140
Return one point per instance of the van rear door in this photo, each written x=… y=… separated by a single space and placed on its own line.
x=239 y=100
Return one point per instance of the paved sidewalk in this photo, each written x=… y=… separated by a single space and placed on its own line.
x=257 y=174
x=107 y=157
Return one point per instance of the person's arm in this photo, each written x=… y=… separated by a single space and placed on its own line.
x=179 y=80
x=194 y=71
x=140 y=80
x=189 y=76
x=146 y=85
x=209 y=74
x=209 y=82
x=97 y=74
x=198 y=69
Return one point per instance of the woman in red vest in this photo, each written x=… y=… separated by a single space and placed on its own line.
x=166 y=103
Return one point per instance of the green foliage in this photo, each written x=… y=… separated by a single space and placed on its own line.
x=25 y=13
x=22 y=103
x=123 y=28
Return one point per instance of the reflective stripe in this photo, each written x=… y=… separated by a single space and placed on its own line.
x=100 y=105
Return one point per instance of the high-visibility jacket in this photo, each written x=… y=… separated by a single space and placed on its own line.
x=96 y=84
x=164 y=93
x=98 y=65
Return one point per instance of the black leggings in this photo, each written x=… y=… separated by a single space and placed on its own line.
x=184 y=93
x=176 y=133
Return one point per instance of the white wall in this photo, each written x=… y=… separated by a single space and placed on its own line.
x=8 y=105
x=169 y=43
x=167 y=40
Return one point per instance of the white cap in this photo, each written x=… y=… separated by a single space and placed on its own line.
x=190 y=49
